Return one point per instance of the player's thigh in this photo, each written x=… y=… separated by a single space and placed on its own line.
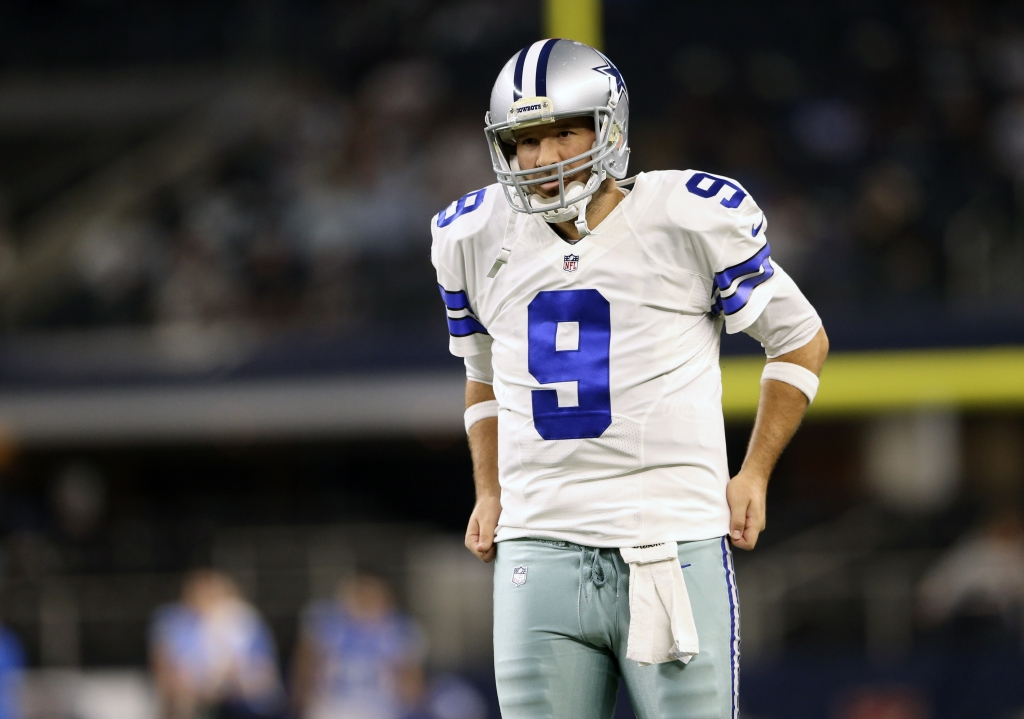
x=706 y=687
x=542 y=668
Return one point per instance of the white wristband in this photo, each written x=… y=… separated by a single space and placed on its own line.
x=793 y=374
x=479 y=411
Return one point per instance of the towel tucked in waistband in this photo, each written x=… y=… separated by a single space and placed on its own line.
x=661 y=627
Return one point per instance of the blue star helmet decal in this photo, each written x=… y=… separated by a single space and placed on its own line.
x=612 y=71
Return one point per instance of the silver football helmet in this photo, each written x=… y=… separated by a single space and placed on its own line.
x=545 y=82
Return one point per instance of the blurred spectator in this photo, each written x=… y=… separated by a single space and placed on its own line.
x=12 y=665
x=358 y=657
x=981 y=578
x=212 y=655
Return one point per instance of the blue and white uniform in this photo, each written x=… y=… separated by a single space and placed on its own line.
x=603 y=355
x=605 y=352
x=359 y=662
x=227 y=654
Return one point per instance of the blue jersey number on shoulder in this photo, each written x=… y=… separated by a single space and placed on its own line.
x=714 y=187
x=466 y=203
x=587 y=365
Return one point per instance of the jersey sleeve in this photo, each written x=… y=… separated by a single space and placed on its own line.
x=724 y=240
x=467 y=334
x=788 y=321
x=744 y=276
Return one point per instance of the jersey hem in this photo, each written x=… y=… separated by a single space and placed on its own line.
x=587 y=540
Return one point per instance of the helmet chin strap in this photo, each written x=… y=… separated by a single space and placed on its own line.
x=581 y=219
x=579 y=208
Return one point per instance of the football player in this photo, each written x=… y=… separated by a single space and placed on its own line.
x=588 y=309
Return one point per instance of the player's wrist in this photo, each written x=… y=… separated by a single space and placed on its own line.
x=756 y=476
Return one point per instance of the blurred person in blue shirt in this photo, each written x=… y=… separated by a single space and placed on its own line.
x=357 y=656
x=12 y=667
x=212 y=655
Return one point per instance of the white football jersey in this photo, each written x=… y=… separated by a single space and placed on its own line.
x=605 y=353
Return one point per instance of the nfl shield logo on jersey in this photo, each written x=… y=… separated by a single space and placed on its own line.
x=571 y=263
x=519 y=576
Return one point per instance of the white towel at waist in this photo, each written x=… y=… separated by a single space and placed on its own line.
x=661 y=627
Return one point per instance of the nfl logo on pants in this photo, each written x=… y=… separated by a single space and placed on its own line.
x=519 y=576
x=571 y=263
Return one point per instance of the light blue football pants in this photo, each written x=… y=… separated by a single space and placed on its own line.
x=560 y=634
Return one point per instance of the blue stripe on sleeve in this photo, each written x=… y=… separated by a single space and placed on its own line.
x=542 y=68
x=457 y=300
x=460 y=326
x=726 y=277
x=738 y=299
x=465 y=326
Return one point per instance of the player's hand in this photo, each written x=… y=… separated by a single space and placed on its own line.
x=746 y=496
x=482 y=523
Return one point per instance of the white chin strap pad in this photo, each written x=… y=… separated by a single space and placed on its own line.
x=563 y=214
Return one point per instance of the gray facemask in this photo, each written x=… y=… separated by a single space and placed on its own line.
x=545 y=82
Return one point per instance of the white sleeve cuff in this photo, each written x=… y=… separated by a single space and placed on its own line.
x=479 y=368
x=793 y=374
x=479 y=411
x=788 y=321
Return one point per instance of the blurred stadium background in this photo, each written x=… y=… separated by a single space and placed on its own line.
x=222 y=344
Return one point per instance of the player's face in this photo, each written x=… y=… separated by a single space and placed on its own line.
x=547 y=144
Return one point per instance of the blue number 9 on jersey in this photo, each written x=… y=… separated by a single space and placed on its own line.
x=716 y=185
x=587 y=365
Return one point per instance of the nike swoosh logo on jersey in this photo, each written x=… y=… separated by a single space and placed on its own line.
x=755 y=230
